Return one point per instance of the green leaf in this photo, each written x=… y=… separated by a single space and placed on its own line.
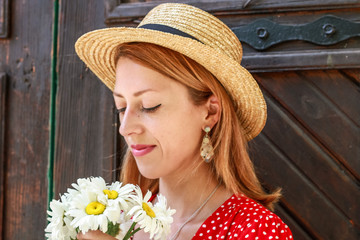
x=113 y=229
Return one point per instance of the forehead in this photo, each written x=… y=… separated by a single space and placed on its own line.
x=134 y=78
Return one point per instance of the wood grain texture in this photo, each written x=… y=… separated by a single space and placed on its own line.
x=321 y=113
x=84 y=109
x=26 y=58
x=4 y=18
x=3 y=85
x=318 y=186
x=119 y=11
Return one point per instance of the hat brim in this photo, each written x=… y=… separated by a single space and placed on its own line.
x=98 y=48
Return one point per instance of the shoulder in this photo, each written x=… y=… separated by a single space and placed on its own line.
x=242 y=218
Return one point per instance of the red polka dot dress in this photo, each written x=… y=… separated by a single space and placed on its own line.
x=243 y=218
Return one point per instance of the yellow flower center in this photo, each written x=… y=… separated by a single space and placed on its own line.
x=111 y=194
x=148 y=210
x=95 y=208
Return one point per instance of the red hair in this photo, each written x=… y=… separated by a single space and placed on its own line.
x=231 y=163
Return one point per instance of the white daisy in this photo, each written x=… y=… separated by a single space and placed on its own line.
x=153 y=219
x=90 y=214
x=164 y=216
x=59 y=227
x=122 y=195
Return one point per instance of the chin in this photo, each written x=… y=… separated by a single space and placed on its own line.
x=149 y=174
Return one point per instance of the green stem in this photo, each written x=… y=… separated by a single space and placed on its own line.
x=135 y=231
x=129 y=232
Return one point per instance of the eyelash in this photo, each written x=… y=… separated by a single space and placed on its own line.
x=147 y=110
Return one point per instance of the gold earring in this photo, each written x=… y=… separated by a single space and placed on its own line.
x=206 y=150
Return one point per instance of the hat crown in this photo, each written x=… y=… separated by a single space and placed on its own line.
x=199 y=24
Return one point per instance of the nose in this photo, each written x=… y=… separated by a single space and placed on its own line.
x=130 y=123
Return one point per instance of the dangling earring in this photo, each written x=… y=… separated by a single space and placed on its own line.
x=206 y=150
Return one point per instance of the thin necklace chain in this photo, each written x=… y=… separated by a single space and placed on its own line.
x=195 y=213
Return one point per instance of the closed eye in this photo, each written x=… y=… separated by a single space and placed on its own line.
x=120 y=110
x=152 y=109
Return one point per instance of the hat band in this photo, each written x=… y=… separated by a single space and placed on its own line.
x=167 y=29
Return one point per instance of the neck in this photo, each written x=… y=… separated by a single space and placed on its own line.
x=186 y=194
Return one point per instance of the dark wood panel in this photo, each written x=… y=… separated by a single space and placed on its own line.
x=2 y=146
x=319 y=113
x=4 y=18
x=298 y=231
x=84 y=121
x=26 y=59
x=342 y=91
x=308 y=207
x=314 y=161
x=117 y=12
x=353 y=75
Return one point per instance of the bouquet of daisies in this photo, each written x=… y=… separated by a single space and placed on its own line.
x=116 y=209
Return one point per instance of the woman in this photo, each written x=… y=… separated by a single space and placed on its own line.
x=187 y=109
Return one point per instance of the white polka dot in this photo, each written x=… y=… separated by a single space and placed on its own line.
x=201 y=234
x=253 y=230
x=247 y=235
x=264 y=233
x=235 y=235
x=204 y=225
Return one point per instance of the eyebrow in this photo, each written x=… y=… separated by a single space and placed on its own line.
x=135 y=94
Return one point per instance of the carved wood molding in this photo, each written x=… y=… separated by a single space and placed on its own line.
x=2 y=145
x=4 y=18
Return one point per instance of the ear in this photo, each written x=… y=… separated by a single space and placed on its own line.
x=213 y=111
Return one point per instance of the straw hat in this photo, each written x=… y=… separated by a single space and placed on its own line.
x=194 y=33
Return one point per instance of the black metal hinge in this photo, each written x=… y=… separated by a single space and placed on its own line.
x=263 y=33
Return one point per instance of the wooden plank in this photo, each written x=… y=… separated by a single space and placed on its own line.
x=296 y=229
x=335 y=131
x=4 y=18
x=302 y=60
x=343 y=92
x=26 y=58
x=313 y=160
x=120 y=12
x=308 y=206
x=3 y=86
x=85 y=136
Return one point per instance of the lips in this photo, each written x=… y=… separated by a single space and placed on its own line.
x=139 y=150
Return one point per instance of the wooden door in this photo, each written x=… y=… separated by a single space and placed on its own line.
x=58 y=123
x=26 y=29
